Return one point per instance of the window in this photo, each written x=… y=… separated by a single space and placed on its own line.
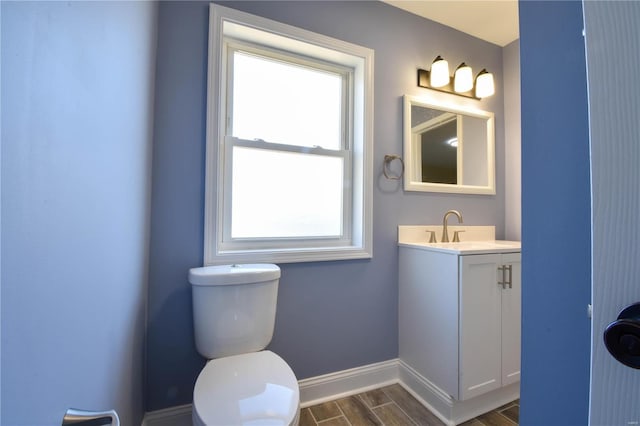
x=289 y=144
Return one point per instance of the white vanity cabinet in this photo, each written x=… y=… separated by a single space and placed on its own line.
x=459 y=318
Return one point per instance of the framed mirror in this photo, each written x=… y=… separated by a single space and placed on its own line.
x=448 y=148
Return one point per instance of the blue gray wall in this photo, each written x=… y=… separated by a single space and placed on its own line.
x=331 y=315
x=77 y=98
x=556 y=218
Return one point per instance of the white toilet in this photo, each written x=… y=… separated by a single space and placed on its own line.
x=234 y=309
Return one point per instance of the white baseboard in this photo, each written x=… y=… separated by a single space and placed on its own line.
x=340 y=384
x=437 y=401
x=344 y=383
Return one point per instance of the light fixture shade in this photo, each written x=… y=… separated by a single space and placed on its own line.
x=439 y=75
x=463 y=78
x=484 y=84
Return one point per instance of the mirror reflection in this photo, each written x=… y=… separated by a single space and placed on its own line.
x=435 y=146
x=448 y=149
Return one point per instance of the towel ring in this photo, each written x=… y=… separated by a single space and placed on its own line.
x=387 y=170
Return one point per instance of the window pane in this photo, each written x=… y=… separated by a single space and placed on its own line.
x=283 y=194
x=285 y=103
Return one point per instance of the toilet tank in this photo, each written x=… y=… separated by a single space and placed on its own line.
x=234 y=308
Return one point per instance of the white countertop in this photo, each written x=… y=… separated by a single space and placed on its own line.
x=467 y=247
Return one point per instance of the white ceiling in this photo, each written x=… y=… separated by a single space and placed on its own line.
x=494 y=21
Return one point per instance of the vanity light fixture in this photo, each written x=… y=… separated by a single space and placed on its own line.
x=462 y=83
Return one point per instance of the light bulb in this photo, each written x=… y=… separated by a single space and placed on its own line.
x=484 y=84
x=463 y=79
x=439 y=75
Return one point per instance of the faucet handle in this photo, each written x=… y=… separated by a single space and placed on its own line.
x=432 y=236
x=456 y=236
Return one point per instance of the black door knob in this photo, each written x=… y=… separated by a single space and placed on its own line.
x=622 y=337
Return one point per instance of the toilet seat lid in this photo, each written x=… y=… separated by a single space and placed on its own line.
x=254 y=388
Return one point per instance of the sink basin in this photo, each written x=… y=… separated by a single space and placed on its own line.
x=475 y=240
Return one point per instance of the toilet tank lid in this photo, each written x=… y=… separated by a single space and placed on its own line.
x=233 y=274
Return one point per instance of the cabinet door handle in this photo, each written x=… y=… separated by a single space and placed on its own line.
x=510 y=275
x=503 y=282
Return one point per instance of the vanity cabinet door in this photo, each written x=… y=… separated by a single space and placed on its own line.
x=511 y=309
x=489 y=322
x=480 y=325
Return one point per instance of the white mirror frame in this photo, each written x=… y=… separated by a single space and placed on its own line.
x=412 y=158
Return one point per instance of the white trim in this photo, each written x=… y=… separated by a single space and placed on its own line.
x=327 y=387
x=432 y=397
x=344 y=383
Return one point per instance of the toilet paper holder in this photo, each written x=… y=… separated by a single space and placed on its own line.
x=622 y=337
x=90 y=418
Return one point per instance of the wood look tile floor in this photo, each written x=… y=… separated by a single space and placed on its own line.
x=393 y=406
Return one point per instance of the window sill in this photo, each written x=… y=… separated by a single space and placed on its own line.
x=288 y=256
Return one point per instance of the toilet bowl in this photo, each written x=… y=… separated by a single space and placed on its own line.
x=250 y=389
x=234 y=310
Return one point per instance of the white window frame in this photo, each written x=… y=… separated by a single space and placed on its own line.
x=229 y=27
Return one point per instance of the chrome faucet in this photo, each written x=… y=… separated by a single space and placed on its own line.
x=445 y=233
